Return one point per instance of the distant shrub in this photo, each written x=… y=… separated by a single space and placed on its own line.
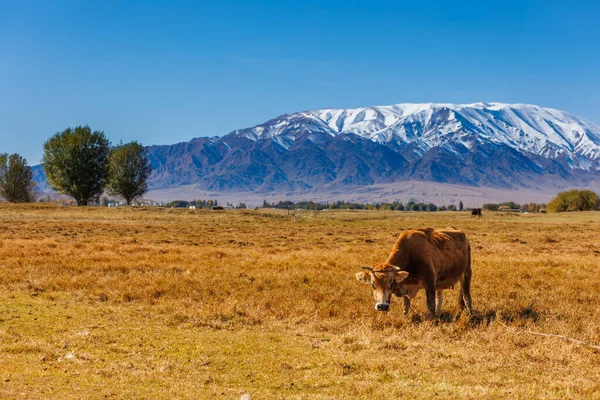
x=510 y=205
x=178 y=204
x=574 y=200
x=490 y=206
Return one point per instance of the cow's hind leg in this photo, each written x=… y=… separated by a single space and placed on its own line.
x=406 y=305
x=430 y=292
x=439 y=301
x=461 y=300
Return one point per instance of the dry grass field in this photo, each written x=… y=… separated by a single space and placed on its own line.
x=160 y=303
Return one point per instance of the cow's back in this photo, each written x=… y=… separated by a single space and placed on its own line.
x=445 y=250
x=459 y=238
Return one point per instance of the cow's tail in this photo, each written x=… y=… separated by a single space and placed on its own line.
x=468 y=255
x=466 y=280
x=465 y=284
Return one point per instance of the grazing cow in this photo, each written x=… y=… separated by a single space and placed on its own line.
x=424 y=258
x=218 y=208
x=476 y=212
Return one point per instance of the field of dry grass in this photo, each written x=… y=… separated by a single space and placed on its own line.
x=159 y=303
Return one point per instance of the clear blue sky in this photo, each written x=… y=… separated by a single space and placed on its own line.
x=166 y=71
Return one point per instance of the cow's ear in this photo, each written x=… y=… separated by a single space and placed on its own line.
x=364 y=277
x=400 y=276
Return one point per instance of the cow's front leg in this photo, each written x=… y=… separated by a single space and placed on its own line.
x=406 y=305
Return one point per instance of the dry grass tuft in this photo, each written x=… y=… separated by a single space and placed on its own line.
x=156 y=303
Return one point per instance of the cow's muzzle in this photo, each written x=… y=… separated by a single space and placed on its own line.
x=382 y=306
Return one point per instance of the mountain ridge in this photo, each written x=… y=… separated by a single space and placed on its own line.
x=548 y=135
x=494 y=145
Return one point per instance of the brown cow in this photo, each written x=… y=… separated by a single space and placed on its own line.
x=424 y=258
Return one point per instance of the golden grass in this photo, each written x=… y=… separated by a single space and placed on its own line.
x=158 y=303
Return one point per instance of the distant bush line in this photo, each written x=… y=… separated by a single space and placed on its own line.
x=206 y=204
x=573 y=200
x=344 y=205
x=512 y=206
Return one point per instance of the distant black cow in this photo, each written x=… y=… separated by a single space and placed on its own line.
x=218 y=208
x=476 y=212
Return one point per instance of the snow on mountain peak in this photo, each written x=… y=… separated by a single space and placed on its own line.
x=527 y=128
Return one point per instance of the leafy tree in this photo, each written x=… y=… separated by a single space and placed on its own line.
x=76 y=163
x=16 y=179
x=128 y=171
x=460 y=206
x=451 y=207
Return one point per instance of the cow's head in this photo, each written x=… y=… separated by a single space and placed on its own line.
x=384 y=280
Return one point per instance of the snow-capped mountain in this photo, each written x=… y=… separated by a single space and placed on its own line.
x=546 y=132
x=484 y=144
